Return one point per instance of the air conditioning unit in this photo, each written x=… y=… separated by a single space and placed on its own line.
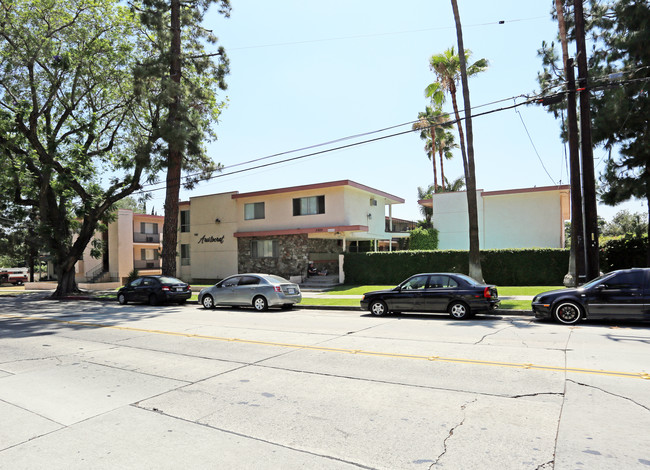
x=373 y=202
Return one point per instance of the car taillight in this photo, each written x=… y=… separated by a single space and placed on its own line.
x=486 y=293
x=189 y=287
x=277 y=288
x=165 y=287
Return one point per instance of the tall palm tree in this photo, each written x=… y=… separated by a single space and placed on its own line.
x=448 y=68
x=427 y=212
x=445 y=143
x=457 y=185
x=428 y=122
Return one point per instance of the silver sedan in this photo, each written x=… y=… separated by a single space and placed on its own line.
x=260 y=291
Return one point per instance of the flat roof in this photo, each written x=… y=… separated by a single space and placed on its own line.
x=330 y=184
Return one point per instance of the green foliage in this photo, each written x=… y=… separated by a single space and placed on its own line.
x=423 y=239
x=623 y=253
x=69 y=115
x=133 y=275
x=525 y=267
x=626 y=224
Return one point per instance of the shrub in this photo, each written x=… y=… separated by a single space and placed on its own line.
x=422 y=238
x=622 y=253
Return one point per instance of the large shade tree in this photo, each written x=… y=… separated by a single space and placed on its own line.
x=619 y=66
x=68 y=116
x=189 y=76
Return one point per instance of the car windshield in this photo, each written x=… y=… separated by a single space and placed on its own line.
x=593 y=282
x=170 y=280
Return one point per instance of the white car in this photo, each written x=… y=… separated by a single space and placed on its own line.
x=259 y=291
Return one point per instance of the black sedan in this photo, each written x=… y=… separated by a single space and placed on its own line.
x=154 y=290
x=619 y=294
x=457 y=294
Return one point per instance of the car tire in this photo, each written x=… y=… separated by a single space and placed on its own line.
x=260 y=304
x=153 y=300
x=207 y=302
x=459 y=311
x=567 y=313
x=378 y=308
x=121 y=298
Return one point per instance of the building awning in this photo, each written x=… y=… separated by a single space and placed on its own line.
x=299 y=231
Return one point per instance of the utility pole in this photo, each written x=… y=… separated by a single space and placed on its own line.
x=588 y=176
x=577 y=256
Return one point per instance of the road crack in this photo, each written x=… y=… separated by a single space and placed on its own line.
x=609 y=393
x=451 y=433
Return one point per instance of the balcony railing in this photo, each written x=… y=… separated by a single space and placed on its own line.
x=146 y=264
x=146 y=237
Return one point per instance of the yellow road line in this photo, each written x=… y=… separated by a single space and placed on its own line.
x=517 y=365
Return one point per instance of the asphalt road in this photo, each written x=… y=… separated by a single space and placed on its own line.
x=97 y=385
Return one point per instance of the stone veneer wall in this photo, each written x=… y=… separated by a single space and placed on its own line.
x=293 y=250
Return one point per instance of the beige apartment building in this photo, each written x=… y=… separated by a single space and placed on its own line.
x=132 y=241
x=280 y=230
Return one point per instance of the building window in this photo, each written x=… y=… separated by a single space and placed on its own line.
x=148 y=254
x=309 y=205
x=185 y=221
x=254 y=210
x=264 y=248
x=146 y=227
x=185 y=255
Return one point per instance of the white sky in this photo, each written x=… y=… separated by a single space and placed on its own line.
x=306 y=72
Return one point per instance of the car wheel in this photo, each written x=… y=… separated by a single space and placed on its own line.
x=459 y=311
x=121 y=298
x=207 y=302
x=567 y=313
x=378 y=308
x=153 y=300
x=260 y=304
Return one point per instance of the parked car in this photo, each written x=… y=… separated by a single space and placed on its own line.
x=457 y=294
x=619 y=294
x=15 y=276
x=155 y=290
x=259 y=291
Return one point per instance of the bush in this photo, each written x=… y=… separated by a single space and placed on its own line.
x=623 y=253
x=422 y=238
x=133 y=275
x=523 y=267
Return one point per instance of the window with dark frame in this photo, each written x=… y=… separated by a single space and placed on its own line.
x=264 y=249
x=254 y=210
x=309 y=205
x=185 y=254
x=185 y=221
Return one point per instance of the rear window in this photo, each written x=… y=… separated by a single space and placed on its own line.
x=277 y=279
x=170 y=280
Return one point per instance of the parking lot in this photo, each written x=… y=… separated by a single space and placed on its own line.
x=89 y=384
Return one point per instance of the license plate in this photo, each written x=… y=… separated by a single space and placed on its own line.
x=291 y=291
x=179 y=289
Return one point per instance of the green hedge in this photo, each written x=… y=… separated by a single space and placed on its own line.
x=524 y=267
x=624 y=253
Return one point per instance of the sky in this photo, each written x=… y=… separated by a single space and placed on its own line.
x=305 y=73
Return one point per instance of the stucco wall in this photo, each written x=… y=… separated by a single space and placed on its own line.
x=525 y=220
x=213 y=247
x=451 y=220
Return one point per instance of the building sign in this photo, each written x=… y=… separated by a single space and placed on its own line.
x=211 y=239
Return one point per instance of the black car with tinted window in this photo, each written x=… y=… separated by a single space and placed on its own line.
x=456 y=294
x=155 y=290
x=619 y=294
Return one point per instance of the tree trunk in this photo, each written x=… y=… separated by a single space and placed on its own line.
x=442 y=170
x=433 y=160
x=67 y=283
x=170 y=235
x=475 y=270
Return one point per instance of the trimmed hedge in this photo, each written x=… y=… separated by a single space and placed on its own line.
x=520 y=267
x=624 y=253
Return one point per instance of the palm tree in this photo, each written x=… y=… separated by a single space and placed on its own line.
x=427 y=212
x=428 y=122
x=457 y=185
x=445 y=143
x=448 y=68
